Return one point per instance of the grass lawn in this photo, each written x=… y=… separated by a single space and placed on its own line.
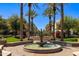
x=71 y=39
x=12 y=39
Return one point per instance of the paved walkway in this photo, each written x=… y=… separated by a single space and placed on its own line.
x=19 y=51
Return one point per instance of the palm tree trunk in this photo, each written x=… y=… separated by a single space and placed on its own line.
x=32 y=26
x=41 y=36
x=15 y=28
x=41 y=39
x=68 y=33
x=50 y=24
x=62 y=21
x=21 y=21
x=54 y=9
x=29 y=5
x=15 y=33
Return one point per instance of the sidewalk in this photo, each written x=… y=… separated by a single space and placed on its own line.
x=19 y=51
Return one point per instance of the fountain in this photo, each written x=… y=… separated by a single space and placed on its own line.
x=42 y=47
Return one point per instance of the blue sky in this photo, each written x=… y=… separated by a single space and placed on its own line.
x=9 y=9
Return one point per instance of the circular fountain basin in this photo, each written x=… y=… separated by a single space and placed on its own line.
x=47 y=48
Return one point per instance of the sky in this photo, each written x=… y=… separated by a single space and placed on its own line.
x=9 y=9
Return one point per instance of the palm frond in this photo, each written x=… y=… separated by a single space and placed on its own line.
x=32 y=13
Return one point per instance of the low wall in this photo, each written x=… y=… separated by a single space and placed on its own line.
x=43 y=51
x=74 y=44
x=2 y=42
x=18 y=43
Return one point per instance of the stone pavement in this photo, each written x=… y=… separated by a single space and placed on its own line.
x=19 y=51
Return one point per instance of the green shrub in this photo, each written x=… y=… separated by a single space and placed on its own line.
x=71 y=39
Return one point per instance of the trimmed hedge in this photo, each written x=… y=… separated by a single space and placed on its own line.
x=71 y=39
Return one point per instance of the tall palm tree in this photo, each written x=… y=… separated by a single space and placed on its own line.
x=21 y=21
x=54 y=12
x=33 y=14
x=30 y=6
x=49 y=13
x=62 y=21
x=54 y=9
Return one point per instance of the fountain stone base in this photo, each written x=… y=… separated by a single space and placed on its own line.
x=45 y=48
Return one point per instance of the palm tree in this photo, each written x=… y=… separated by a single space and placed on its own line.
x=21 y=21
x=30 y=6
x=33 y=14
x=54 y=9
x=54 y=12
x=49 y=13
x=62 y=20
